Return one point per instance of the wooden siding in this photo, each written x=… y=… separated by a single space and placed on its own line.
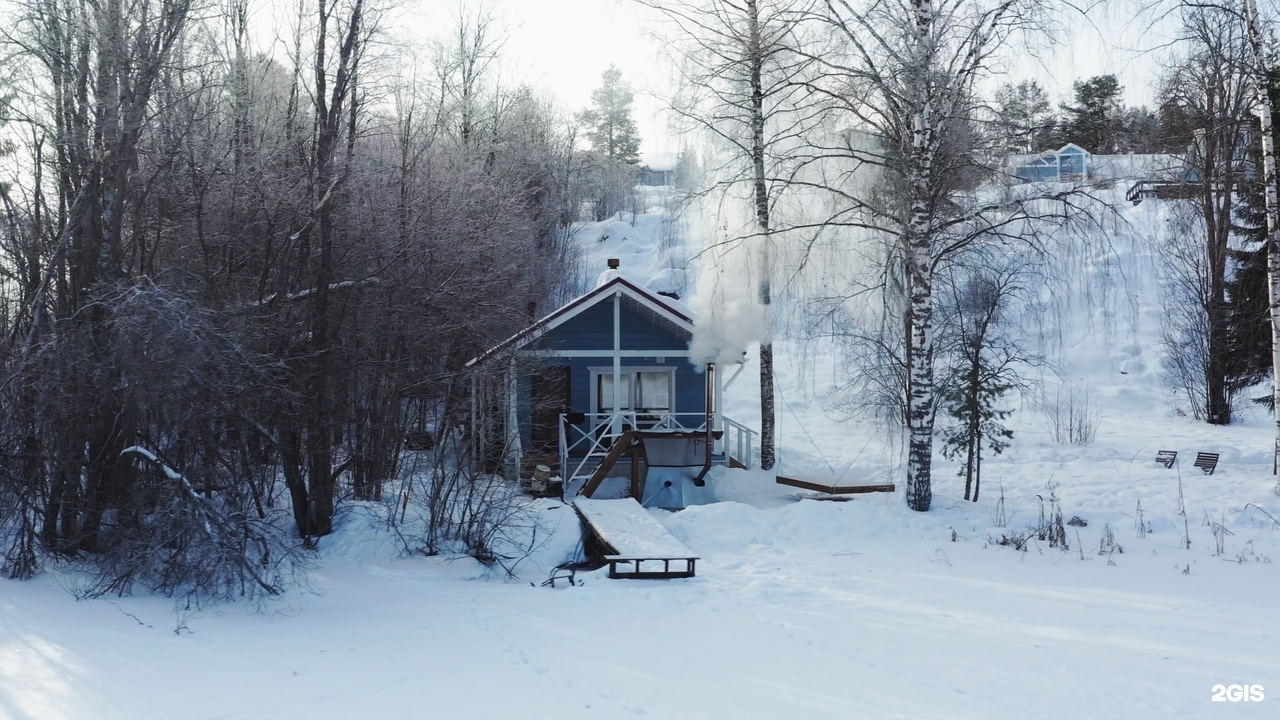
x=593 y=330
x=690 y=390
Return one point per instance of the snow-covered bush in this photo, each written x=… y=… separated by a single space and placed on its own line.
x=461 y=509
x=138 y=457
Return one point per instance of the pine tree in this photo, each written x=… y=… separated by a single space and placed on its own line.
x=1094 y=121
x=610 y=127
x=1024 y=121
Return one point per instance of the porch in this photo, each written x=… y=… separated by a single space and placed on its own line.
x=678 y=446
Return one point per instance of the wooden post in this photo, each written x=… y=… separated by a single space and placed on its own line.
x=513 y=449
x=615 y=422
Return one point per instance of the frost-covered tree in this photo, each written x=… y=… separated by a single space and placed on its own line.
x=744 y=84
x=233 y=281
x=463 y=61
x=610 y=126
x=908 y=74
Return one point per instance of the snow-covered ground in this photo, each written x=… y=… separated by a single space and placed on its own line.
x=801 y=608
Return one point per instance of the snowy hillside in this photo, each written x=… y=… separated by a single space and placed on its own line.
x=802 y=608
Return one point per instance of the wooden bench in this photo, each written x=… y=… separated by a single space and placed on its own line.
x=1167 y=457
x=1208 y=462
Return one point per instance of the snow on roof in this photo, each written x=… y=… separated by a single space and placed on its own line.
x=660 y=160
x=631 y=530
x=1136 y=166
x=673 y=304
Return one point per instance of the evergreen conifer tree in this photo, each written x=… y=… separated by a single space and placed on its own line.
x=1024 y=121
x=973 y=404
x=610 y=127
x=986 y=357
x=1094 y=122
x=1248 y=314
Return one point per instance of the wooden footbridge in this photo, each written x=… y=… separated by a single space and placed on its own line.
x=631 y=541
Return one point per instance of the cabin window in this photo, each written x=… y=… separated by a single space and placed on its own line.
x=605 y=392
x=644 y=391
x=653 y=391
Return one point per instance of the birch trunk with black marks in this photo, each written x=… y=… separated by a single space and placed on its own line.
x=755 y=59
x=1266 y=122
x=919 y=246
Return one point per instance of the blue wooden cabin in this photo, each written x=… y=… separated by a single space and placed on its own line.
x=612 y=360
x=1070 y=163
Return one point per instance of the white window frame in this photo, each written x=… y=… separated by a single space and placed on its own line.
x=597 y=371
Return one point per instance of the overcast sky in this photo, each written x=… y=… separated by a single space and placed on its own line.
x=563 y=46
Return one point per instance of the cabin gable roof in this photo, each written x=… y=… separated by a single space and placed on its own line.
x=666 y=314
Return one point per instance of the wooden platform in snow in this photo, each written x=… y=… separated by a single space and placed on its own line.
x=624 y=534
x=834 y=489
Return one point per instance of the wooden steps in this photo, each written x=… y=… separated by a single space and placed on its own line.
x=626 y=444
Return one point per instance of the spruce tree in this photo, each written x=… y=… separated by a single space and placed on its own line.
x=610 y=127
x=986 y=357
x=973 y=404
x=1248 y=312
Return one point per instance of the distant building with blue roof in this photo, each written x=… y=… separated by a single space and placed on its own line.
x=1068 y=164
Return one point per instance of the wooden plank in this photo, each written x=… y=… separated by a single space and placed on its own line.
x=834 y=489
x=621 y=446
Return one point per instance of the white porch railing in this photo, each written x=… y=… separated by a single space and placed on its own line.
x=585 y=444
x=739 y=442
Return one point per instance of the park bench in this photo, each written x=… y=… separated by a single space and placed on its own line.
x=1208 y=462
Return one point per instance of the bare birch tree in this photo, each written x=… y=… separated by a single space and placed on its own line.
x=1263 y=60
x=1212 y=87
x=907 y=75
x=744 y=85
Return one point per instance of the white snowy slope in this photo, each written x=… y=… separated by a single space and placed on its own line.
x=801 y=608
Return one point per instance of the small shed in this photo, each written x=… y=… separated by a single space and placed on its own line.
x=658 y=169
x=1070 y=163
x=612 y=361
